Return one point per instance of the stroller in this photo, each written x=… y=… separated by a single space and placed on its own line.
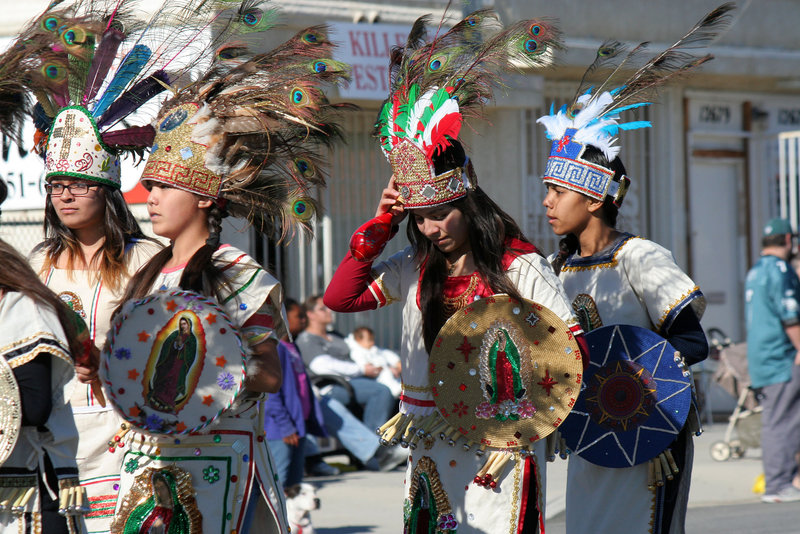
x=732 y=376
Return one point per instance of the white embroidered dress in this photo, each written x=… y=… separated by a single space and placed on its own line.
x=234 y=443
x=94 y=301
x=476 y=509
x=635 y=282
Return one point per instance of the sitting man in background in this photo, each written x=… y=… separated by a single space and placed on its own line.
x=294 y=416
x=327 y=353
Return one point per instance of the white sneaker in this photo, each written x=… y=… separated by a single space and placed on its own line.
x=787 y=494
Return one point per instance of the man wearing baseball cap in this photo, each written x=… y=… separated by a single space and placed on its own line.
x=772 y=311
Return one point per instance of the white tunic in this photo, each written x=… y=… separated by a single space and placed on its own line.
x=634 y=282
x=29 y=330
x=234 y=444
x=94 y=301
x=477 y=509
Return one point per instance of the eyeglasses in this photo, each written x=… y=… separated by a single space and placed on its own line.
x=77 y=189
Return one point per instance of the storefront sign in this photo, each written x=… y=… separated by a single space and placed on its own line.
x=366 y=48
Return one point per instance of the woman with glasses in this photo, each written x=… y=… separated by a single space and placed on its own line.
x=92 y=246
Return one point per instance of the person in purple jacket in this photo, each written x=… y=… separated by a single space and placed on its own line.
x=293 y=412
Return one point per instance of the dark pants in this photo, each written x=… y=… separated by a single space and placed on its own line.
x=375 y=398
x=780 y=432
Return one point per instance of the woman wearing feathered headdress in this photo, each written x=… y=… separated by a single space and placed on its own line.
x=463 y=247
x=40 y=339
x=616 y=278
x=241 y=140
x=69 y=56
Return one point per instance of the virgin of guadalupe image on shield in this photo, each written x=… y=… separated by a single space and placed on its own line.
x=175 y=363
x=161 y=502
x=504 y=370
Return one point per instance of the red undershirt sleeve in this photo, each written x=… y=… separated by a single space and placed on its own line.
x=349 y=290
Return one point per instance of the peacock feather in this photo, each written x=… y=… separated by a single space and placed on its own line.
x=101 y=55
x=436 y=83
x=267 y=124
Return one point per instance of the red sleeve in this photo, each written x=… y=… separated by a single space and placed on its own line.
x=349 y=288
x=584 y=350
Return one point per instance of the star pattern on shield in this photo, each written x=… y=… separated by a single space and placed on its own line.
x=591 y=441
x=208 y=400
x=548 y=382
x=466 y=348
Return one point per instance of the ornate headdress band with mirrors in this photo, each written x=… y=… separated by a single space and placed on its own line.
x=435 y=86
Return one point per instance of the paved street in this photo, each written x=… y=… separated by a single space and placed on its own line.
x=721 y=498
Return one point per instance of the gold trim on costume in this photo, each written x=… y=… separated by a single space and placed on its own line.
x=585 y=303
x=519 y=465
x=674 y=304
x=378 y=279
x=452 y=305
x=142 y=489
x=28 y=356
x=606 y=265
x=427 y=466
x=415 y=389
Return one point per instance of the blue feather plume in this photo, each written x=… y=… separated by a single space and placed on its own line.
x=131 y=66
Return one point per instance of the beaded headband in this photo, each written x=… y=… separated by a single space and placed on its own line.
x=567 y=168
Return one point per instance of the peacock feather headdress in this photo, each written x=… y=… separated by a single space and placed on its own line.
x=249 y=130
x=92 y=65
x=435 y=85
x=594 y=115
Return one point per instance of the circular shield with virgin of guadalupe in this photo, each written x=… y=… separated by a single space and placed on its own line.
x=10 y=411
x=505 y=373
x=634 y=400
x=173 y=362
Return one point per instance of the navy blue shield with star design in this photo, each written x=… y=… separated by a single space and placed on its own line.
x=634 y=398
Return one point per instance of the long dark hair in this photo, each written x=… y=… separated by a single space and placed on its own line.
x=608 y=213
x=200 y=274
x=119 y=229
x=489 y=228
x=18 y=276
